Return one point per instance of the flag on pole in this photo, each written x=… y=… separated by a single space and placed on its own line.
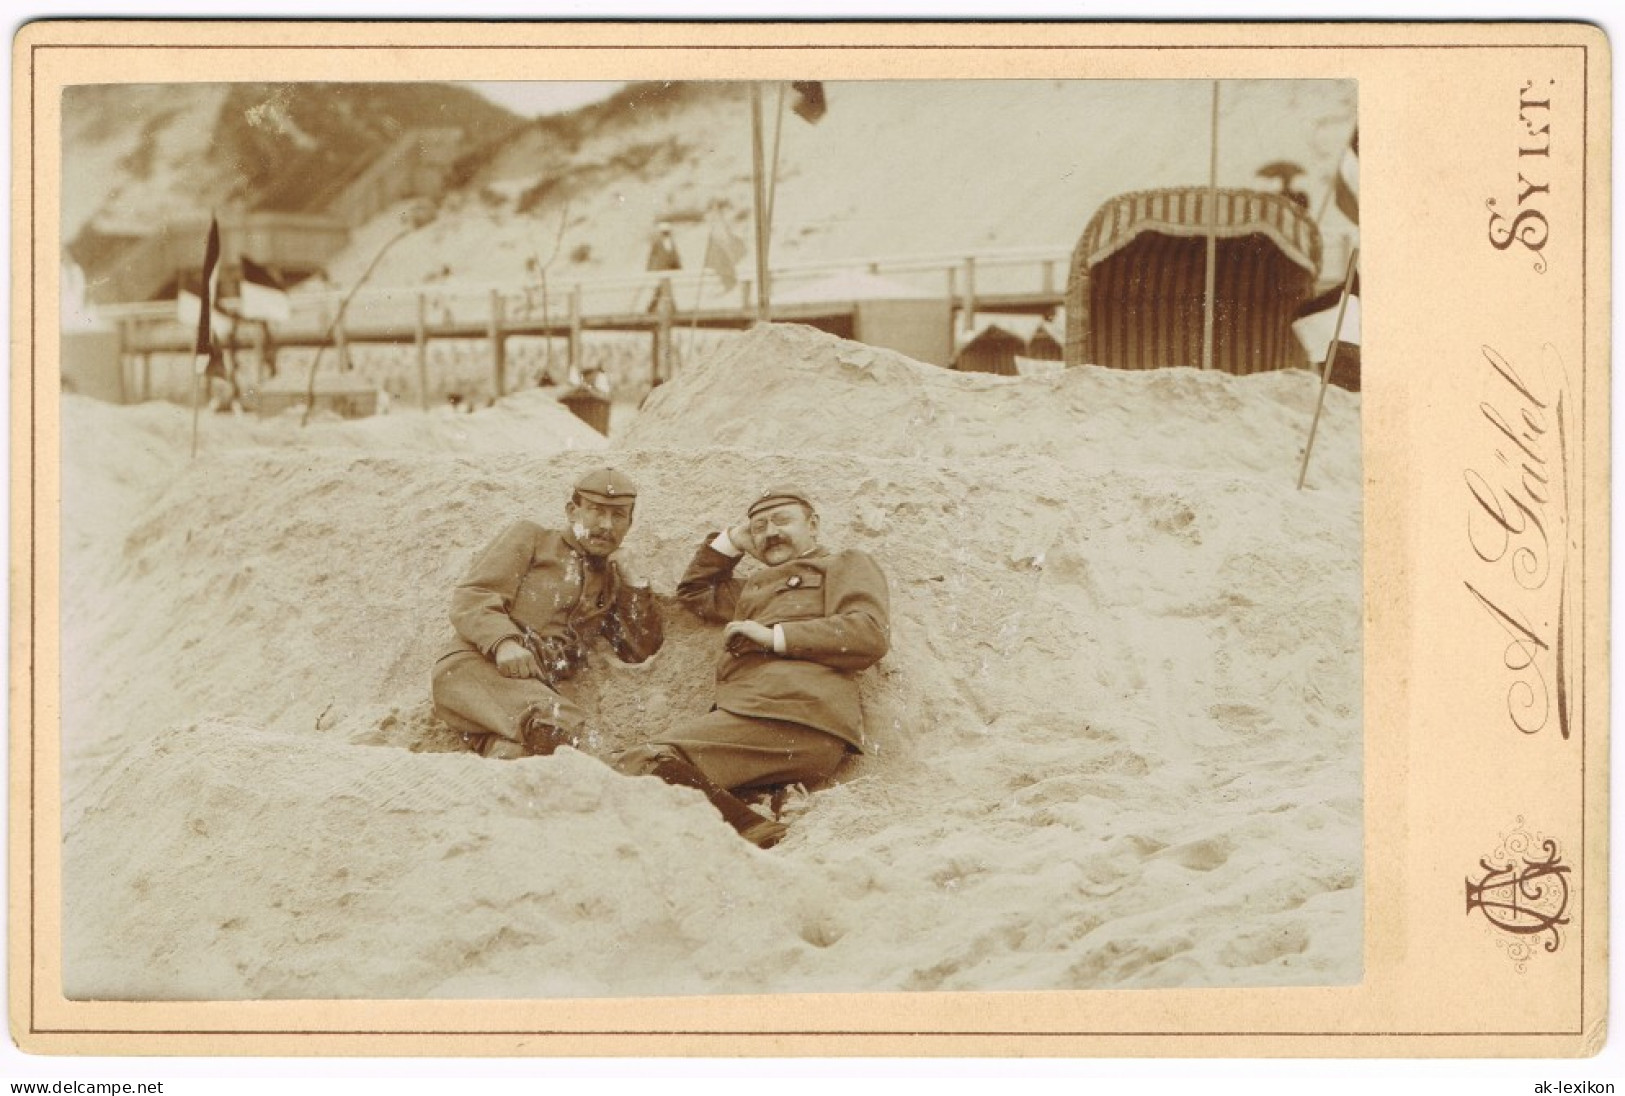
x=1347 y=187
x=723 y=250
x=1315 y=326
x=189 y=307
x=207 y=355
x=263 y=297
x=810 y=104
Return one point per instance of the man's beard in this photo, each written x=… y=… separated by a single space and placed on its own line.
x=595 y=543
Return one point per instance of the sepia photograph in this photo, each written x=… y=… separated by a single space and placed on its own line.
x=824 y=540
x=543 y=539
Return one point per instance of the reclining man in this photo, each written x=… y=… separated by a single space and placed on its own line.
x=524 y=616
x=799 y=631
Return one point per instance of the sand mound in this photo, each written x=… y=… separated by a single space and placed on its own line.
x=1116 y=741
x=787 y=388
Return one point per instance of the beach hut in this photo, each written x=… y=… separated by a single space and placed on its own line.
x=995 y=341
x=1045 y=344
x=1136 y=290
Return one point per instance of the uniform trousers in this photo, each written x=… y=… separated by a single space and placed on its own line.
x=736 y=752
x=494 y=712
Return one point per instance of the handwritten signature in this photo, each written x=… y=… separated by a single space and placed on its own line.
x=1514 y=527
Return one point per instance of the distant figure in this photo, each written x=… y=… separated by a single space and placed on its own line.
x=663 y=257
x=1286 y=172
x=525 y=614
x=798 y=633
x=269 y=349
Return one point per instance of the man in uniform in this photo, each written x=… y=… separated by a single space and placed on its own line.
x=799 y=631
x=663 y=258
x=525 y=614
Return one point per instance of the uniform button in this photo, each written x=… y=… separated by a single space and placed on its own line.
x=794 y=580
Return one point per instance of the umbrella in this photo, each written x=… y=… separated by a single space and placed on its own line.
x=1284 y=171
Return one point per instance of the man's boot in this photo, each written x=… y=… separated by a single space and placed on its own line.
x=762 y=832
x=542 y=737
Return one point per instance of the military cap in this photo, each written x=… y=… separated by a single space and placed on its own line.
x=606 y=485
x=777 y=496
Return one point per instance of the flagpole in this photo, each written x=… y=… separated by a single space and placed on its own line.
x=1212 y=234
x=1326 y=366
x=773 y=176
x=203 y=345
x=195 y=379
x=764 y=308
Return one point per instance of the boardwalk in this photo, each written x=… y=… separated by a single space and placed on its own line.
x=939 y=291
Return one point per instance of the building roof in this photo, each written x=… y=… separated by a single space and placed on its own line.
x=1182 y=211
x=1021 y=326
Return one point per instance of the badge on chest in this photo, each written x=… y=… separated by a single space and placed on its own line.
x=789 y=593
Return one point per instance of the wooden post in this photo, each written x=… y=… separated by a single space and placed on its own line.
x=420 y=339
x=969 y=315
x=1212 y=221
x=260 y=334
x=1049 y=276
x=342 y=344
x=146 y=375
x=574 y=346
x=660 y=367
x=953 y=301
x=498 y=345
x=547 y=321
x=764 y=307
x=123 y=363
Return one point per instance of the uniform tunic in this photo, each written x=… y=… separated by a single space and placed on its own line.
x=537 y=586
x=834 y=610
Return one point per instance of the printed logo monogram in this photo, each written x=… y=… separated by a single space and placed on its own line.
x=1523 y=894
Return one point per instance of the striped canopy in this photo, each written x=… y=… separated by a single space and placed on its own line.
x=1135 y=294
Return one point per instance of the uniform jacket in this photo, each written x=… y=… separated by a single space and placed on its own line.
x=836 y=618
x=537 y=586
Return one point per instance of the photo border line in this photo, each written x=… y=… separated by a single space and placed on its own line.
x=1581 y=546
x=797 y=48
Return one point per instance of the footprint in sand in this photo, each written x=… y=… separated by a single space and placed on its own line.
x=1203 y=855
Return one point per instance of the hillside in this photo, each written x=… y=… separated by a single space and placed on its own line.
x=138 y=155
x=894 y=168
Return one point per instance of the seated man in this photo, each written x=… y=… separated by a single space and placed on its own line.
x=525 y=614
x=800 y=629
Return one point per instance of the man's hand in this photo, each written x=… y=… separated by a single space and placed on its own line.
x=741 y=635
x=740 y=535
x=514 y=659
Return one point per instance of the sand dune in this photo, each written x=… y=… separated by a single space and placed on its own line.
x=1116 y=742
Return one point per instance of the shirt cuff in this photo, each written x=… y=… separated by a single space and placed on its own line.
x=778 y=639
x=724 y=543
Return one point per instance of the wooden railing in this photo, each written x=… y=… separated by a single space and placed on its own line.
x=1030 y=280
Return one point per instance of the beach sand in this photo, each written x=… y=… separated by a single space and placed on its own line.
x=1116 y=741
